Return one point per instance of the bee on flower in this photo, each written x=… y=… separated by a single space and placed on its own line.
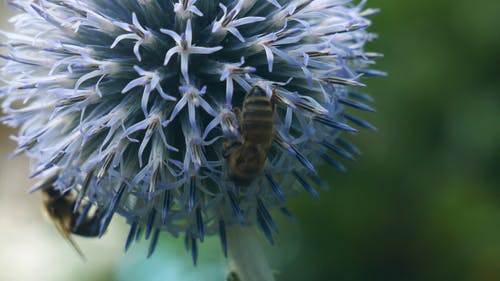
x=190 y=117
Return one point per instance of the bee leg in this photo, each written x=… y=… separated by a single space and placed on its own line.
x=238 y=138
x=273 y=97
x=237 y=113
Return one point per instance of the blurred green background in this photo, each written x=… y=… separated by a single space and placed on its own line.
x=421 y=203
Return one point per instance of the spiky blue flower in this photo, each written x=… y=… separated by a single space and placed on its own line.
x=127 y=103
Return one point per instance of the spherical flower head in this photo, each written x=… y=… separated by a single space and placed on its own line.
x=129 y=104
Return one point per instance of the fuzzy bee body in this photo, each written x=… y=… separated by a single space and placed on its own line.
x=247 y=156
x=59 y=208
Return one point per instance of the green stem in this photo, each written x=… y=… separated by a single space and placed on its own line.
x=247 y=260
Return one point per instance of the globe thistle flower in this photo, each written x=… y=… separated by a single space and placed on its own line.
x=128 y=104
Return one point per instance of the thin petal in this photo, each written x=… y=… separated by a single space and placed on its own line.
x=189 y=33
x=275 y=3
x=142 y=125
x=172 y=34
x=131 y=36
x=204 y=50
x=145 y=99
x=212 y=125
x=178 y=107
x=246 y=20
x=236 y=33
x=192 y=116
x=136 y=50
x=193 y=9
x=170 y=53
x=204 y=104
x=184 y=66
x=88 y=76
x=134 y=83
x=137 y=24
x=229 y=92
x=270 y=57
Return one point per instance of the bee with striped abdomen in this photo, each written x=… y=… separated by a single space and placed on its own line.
x=246 y=156
x=59 y=208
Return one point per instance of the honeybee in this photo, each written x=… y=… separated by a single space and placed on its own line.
x=246 y=156
x=59 y=208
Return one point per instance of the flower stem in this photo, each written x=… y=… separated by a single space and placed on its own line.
x=247 y=260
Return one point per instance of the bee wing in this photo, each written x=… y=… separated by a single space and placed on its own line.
x=67 y=236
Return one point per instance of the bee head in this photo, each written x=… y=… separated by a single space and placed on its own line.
x=257 y=92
